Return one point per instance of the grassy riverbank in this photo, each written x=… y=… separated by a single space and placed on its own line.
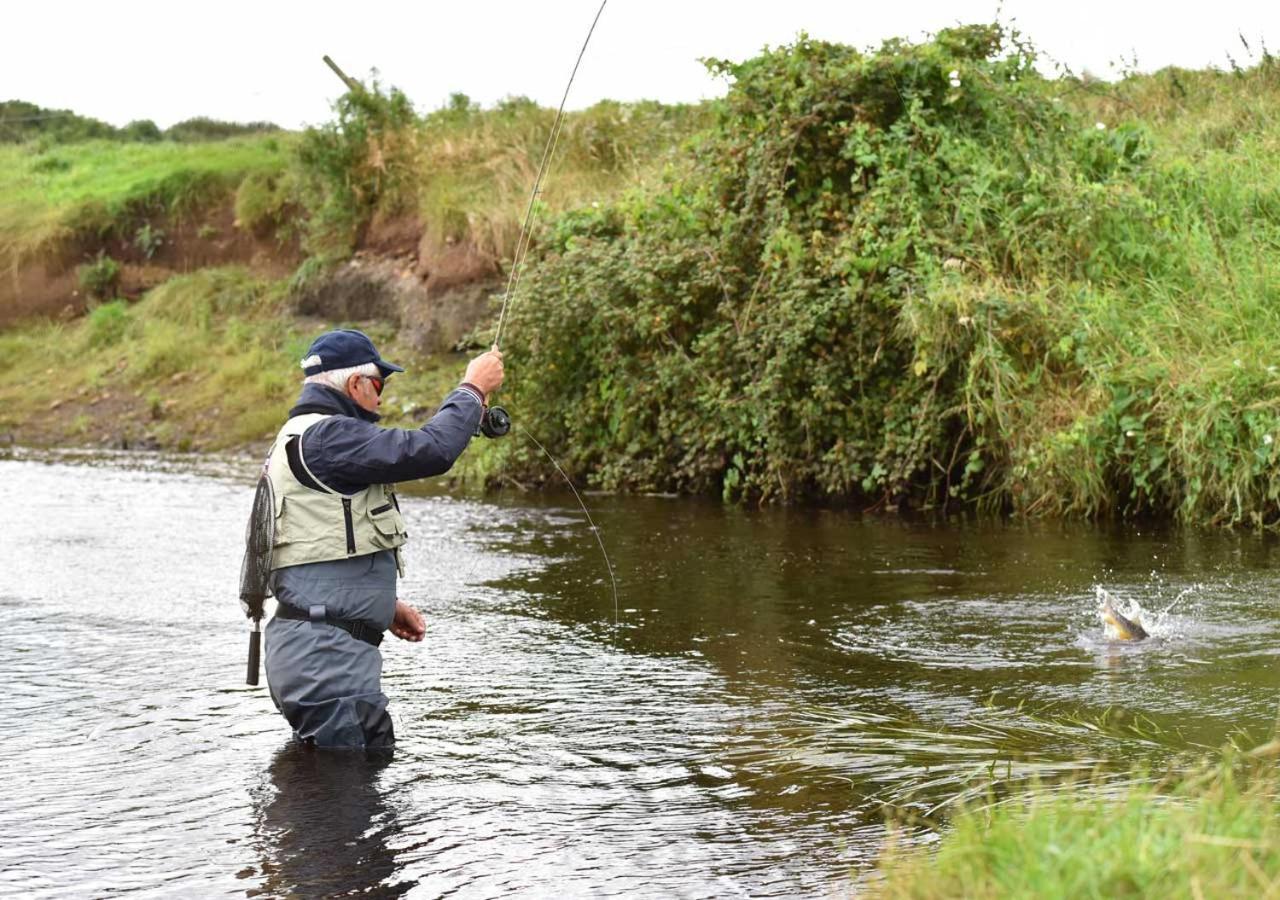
x=151 y=279
x=926 y=275
x=929 y=276
x=207 y=361
x=48 y=192
x=1212 y=835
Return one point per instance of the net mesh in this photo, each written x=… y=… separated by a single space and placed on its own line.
x=255 y=571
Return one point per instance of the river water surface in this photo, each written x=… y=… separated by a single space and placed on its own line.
x=776 y=684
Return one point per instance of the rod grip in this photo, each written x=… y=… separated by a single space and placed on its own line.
x=255 y=652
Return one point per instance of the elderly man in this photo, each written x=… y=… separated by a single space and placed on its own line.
x=338 y=534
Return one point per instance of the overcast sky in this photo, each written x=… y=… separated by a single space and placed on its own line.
x=261 y=60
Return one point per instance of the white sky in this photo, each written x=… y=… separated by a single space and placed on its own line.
x=261 y=60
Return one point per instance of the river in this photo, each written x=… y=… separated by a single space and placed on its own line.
x=772 y=685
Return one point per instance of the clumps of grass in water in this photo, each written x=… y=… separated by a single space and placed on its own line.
x=908 y=766
x=1211 y=833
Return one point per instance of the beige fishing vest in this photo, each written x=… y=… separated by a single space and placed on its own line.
x=322 y=525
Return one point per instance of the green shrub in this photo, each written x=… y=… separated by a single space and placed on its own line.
x=917 y=276
x=141 y=130
x=99 y=278
x=740 y=331
x=107 y=323
x=148 y=239
x=364 y=158
x=203 y=128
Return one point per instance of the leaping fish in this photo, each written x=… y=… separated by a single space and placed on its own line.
x=1118 y=627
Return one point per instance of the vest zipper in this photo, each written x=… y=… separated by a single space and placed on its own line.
x=351 y=530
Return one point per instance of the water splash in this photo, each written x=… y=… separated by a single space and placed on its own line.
x=1158 y=622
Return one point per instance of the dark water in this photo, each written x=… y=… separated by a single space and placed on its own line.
x=777 y=681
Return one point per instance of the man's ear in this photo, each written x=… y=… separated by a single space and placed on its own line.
x=352 y=381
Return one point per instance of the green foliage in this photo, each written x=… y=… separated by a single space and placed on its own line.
x=203 y=128
x=99 y=278
x=917 y=275
x=21 y=121
x=351 y=165
x=106 y=323
x=141 y=130
x=148 y=239
x=1214 y=833
x=54 y=203
x=739 y=330
x=263 y=201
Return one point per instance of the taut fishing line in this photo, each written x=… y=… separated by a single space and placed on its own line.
x=594 y=528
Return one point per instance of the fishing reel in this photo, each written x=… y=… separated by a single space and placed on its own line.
x=495 y=423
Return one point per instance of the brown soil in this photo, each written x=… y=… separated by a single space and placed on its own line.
x=50 y=286
x=436 y=292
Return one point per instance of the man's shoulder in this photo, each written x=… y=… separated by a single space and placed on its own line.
x=339 y=427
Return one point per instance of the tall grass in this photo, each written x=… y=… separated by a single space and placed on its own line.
x=55 y=193
x=477 y=167
x=1214 y=833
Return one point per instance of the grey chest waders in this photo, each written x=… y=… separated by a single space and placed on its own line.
x=255 y=571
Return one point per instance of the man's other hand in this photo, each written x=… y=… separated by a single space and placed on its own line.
x=408 y=624
x=485 y=371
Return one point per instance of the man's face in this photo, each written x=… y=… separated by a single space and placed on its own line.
x=366 y=390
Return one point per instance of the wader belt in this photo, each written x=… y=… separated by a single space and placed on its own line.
x=357 y=628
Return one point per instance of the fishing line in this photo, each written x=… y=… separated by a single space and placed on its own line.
x=526 y=231
x=594 y=528
x=513 y=281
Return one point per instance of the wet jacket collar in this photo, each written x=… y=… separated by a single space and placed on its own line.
x=319 y=398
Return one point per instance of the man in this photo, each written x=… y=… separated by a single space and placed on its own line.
x=338 y=533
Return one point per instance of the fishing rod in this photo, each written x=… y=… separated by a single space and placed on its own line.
x=497 y=421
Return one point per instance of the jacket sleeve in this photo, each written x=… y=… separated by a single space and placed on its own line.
x=349 y=454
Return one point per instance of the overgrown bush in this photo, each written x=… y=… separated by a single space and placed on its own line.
x=351 y=165
x=263 y=201
x=107 y=323
x=914 y=275
x=742 y=330
x=100 y=278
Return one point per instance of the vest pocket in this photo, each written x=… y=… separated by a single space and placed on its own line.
x=388 y=523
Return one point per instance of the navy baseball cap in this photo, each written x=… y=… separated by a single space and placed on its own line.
x=344 y=349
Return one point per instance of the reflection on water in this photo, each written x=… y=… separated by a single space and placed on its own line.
x=321 y=821
x=777 y=681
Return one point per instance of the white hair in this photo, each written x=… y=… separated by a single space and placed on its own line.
x=337 y=378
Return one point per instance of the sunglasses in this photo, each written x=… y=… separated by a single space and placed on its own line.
x=377 y=384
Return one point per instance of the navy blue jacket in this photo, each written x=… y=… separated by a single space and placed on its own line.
x=349 y=452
